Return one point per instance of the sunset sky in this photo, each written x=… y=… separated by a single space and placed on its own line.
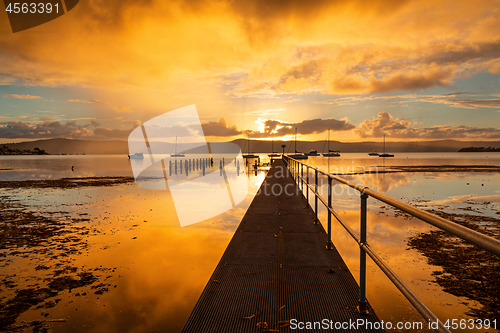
x=414 y=70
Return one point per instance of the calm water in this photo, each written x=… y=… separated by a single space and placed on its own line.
x=157 y=269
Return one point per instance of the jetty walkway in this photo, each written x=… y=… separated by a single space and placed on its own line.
x=276 y=274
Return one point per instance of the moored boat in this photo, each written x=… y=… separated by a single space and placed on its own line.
x=136 y=156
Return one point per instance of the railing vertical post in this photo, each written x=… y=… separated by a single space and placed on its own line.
x=362 y=255
x=316 y=220
x=295 y=171
x=329 y=244
x=297 y=174
x=302 y=178
x=307 y=184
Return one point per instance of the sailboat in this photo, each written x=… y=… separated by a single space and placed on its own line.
x=331 y=153
x=136 y=156
x=273 y=154
x=313 y=152
x=384 y=154
x=176 y=155
x=250 y=155
x=298 y=155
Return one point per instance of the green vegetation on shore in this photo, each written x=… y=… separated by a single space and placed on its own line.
x=4 y=150
x=479 y=149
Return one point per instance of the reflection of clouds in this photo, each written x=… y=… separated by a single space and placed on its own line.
x=163 y=272
x=387 y=235
x=383 y=182
x=159 y=274
x=470 y=198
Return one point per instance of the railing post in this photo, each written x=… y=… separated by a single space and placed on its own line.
x=298 y=174
x=295 y=172
x=307 y=184
x=362 y=255
x=316 y=220
x=329 y=244
x=302 y=178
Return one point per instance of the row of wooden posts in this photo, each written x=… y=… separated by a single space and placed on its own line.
x=189 y=165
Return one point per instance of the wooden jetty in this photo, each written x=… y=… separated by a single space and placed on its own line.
x=276 y=272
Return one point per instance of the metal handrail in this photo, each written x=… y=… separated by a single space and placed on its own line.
x=488 y=243
x=485 y=242
x=365 y=248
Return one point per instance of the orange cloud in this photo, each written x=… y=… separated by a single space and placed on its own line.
x=281 y=47
x=22 y=96
x=117 y=108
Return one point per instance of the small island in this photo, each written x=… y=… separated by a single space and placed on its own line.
x=4 y=150
x=479 y=150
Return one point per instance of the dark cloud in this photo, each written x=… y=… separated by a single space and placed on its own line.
x=260 y=15
x=55 y=129
x=460 y=53
x=219 y=128
x=403 y=129
x=412 y=81
x=276 y=128
x=23 y=130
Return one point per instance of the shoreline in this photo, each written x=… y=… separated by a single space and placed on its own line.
x=66 y=182
x=467 y=270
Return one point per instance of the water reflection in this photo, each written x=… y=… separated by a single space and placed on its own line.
x=131 y=241
x=159 y=269
x=389 y=230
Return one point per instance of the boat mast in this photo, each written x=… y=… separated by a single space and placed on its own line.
x=295 y=140
x=176 y=145
x=384 y=143
x=328 y=140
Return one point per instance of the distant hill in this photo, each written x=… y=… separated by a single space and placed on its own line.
x=363 y=147
x=479 y=150
x=70 y=146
